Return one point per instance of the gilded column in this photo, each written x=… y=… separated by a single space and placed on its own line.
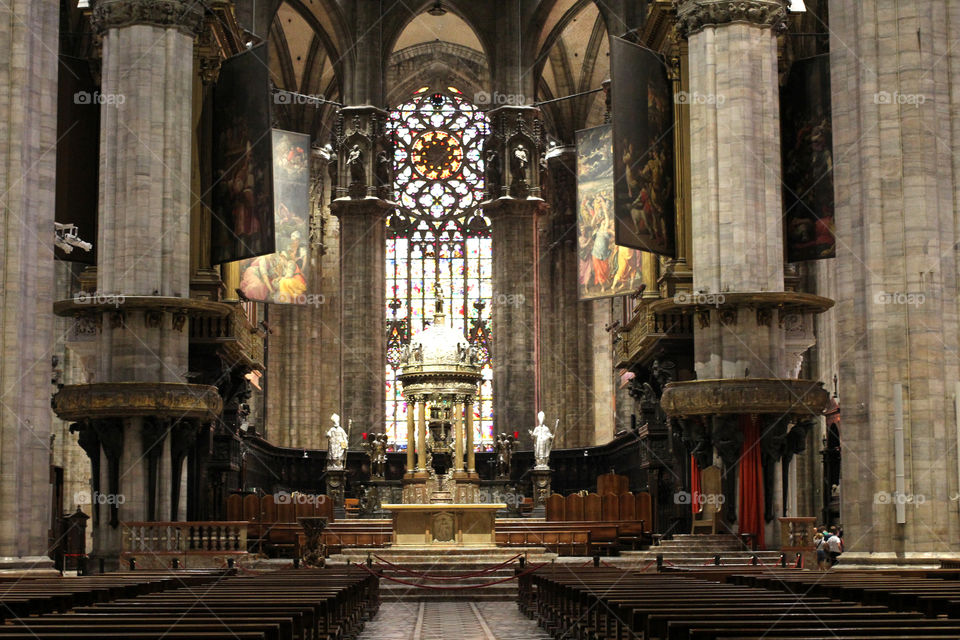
x=458 y=434
x=471 y=453
x=411 y=433
x=422 y=435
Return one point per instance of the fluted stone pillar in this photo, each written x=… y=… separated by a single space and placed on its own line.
x=304 y=350
x=361 y=205
x=735 y=178
x=737 y=229
x=566 y=345
x=513 y=206
x=143 y=244
x=895 y=76
x=28 y=135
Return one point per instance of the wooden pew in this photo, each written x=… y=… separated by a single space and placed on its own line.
x=610 y=603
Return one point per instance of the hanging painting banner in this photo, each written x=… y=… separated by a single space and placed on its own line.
x=642 y=114
x=808 y=161
x=242 y=197
x=281 y=277
x=605 y=268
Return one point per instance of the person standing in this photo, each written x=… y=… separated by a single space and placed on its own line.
x=821 y=546
x=834 y=547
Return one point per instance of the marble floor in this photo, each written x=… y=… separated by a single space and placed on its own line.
x=454 y=620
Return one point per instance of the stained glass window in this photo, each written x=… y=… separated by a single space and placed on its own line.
x=438 y=234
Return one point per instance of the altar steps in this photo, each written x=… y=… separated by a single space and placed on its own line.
x=698 y=550
x=446 y=563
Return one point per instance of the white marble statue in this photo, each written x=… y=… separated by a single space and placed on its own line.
x=336 y=444
x=542 y=443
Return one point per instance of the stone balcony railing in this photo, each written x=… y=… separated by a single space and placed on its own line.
x=184 y=537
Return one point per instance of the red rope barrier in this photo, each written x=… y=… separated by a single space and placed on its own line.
x=439 y=588
x=427 y=576
x=644 y=568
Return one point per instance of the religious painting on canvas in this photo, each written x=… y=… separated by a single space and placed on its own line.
x=605 y=268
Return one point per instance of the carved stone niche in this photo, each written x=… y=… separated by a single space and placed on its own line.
x=361 y=167
x=513 y=152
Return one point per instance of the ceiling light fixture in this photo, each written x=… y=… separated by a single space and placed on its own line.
x=437 y=9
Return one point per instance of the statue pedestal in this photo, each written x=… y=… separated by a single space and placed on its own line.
x=336 y=479
x=447 y=525
x=540 y=480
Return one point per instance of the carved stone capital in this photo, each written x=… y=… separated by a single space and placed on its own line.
x=695 y=15
x=184 y=15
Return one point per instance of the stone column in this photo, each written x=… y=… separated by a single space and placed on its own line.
x=515 y=146
x=361 y=206
x=742 y=328
x=566 y=345
x=143 y=265
x=303 y=352
x=895 y=76
x=735 y=178
x=28 y=136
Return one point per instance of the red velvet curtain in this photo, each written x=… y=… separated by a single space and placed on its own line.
x=751 y=481
x=695 y=486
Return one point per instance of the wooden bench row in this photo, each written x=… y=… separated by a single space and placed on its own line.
x=33 y=596
x=331 y=604
x=578 y=602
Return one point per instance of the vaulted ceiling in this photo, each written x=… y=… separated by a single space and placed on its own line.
x=566 y=39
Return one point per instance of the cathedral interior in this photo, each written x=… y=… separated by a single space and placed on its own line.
x=541 y=298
